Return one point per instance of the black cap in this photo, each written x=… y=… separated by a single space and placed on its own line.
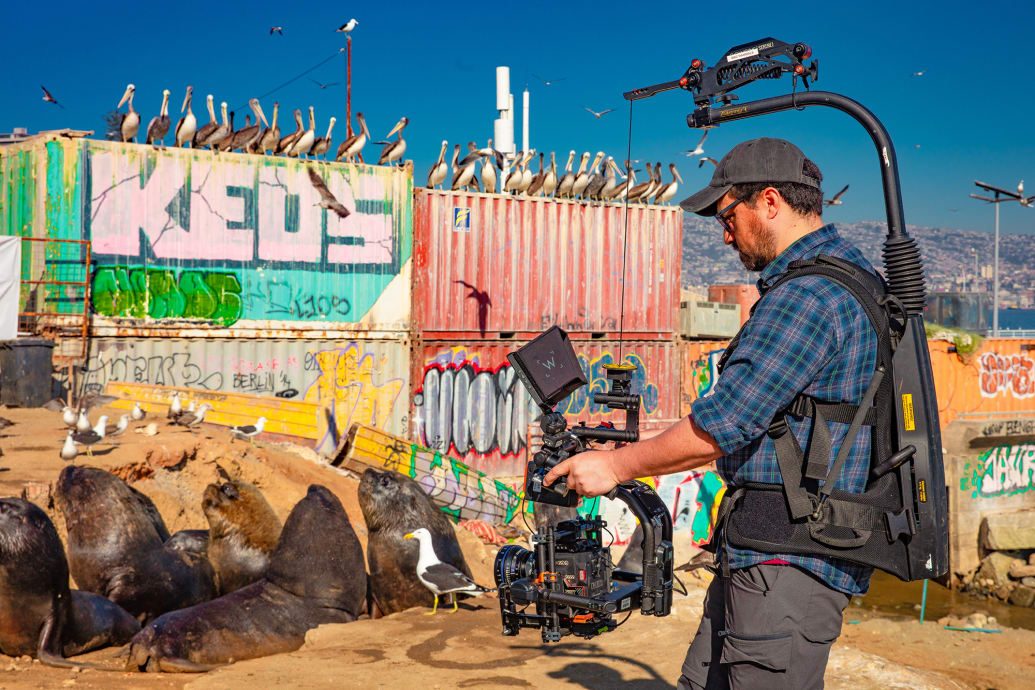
x=757 y=160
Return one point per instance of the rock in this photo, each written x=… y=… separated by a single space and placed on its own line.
x=1028 y=581
x=1004 y=591
x=1031 y=558
x=976 y=620
x=996 y=568
x=1008 y=531
x=1018 y=570
x=1022 y=596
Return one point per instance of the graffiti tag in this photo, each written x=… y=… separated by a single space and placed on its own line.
x=1009 y=374
x=157 y=293
x=1001 y=471
x=176 y=369
x=1010 y=427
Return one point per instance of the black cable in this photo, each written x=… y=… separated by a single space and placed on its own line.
x=293 y=79
x=625 y=243
x=685 y=591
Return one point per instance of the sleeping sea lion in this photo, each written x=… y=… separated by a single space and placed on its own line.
x=394 y=505
x=39 y=615
x=243 y=532
x=116 y=546
x=316 y=576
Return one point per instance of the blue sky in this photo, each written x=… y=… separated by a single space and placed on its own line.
x=970 y=113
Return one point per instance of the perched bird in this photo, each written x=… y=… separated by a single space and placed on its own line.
x=187 y=125
x=249 y=430
x=324 y=86
x=206 y=129
x=131 y=119
x=327 y=200
x=596 y=179
x=117 y=429
x=287 y=142
x=159 y=125
x=665 y=193
x=50 y=99
x=175 y=407
x=137 y=413
x=601 y=113
x=322 y=144
x=394 y=150
x=699 y=149
x=82 y=424
x=548 y=82
x=490 y=164
x=550 y=179
x=463 y=171
x=68 y=449
x=92 y=436
x=193 y=419
x=216 y=136
x=68 y=416
x=700 y=162
x=836 y=201
x=438 y=172
x=351 y=147
x=347 y=27
x=564 y=186
x=270 y=136
x=441 y=578
x=535 y=187
x=611 y=173
x=227 y=143
x=582 y=177
x=304 y=143
x=248 y=137
x=512 y=180
x=278 y=29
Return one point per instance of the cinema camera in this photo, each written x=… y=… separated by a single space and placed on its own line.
x=570 y=577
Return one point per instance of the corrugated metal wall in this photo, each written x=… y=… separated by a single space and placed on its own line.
x=469 y=403
x=487 y=264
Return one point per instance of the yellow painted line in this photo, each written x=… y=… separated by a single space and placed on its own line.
x=290 y=417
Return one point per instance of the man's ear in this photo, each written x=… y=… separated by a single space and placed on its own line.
x=772 y=201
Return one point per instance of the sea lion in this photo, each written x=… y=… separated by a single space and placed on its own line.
x=39 y=615
x=316 y=576
x=193 y=541
x=116 y=546
x=243 y=532
x=394 y=505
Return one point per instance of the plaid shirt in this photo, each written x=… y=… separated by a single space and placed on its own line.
x=808 y=335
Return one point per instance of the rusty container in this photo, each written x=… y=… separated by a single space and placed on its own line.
x=743 y=294
x=487 y=265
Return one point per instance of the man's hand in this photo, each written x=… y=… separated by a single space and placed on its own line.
x=589 y=474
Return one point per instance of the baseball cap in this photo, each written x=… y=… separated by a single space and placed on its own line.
x=757 y=160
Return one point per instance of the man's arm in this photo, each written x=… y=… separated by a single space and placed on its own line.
x=683 y=446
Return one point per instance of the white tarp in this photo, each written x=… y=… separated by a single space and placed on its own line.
x=10 y=281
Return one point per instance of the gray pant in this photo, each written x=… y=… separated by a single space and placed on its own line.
x=767 y=626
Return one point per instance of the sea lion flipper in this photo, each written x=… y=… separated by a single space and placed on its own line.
x=170 y=665
x=50 y=635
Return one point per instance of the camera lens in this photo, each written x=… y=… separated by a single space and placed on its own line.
x=513 y=563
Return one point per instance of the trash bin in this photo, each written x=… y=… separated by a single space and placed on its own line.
x=26 y=371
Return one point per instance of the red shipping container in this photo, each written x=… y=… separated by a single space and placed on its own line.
x=739 y=293
x=469 y=404
x=491 y=264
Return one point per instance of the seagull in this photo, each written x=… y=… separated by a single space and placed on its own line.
x=441 y=578
x=327 y=200
x=690 y=153
x=324 y=86
x=836 y=201
x=175 y=407
x=68 y=416
x=278 y=29
x=192 y=419
x=916 y=146
x=601 y=113
x=117 y=429
x=137 y=413
x=549 y=82
x=50 y=99
x=711 y=160
x=249 y=430
x=68 y=450
x=93 y=436
x=82 y=424
x=347 y=27
x=920 y=73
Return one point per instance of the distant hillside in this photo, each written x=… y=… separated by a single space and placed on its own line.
x=946 y=253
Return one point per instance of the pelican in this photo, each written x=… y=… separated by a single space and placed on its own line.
x=512 y=180
x=535 y=188
x=630 y=180
x=219 y=133
x=463 y=172
x=596 y=179
x=639 y=192
x=393 y=151
x=187 y=125
x=582 y=177
x=456 y=168
x=130 y=119
x=526 y=172
x=611 y=173
x=270 y=136
x=323 y=144
x=497 y=157
x=564 y=186
x=207 y=129
x=550 y=179
x=489 y=165
x=305 y=140
x=437 y=174
x=668 y=191
x=159 y=126
x=228 y=142
x=287 y=142
x=245 y=139
x=351 y=147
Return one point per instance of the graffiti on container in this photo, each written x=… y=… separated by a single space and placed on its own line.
x=1002 y=471
x=705 y=372
x=1006 y=374
x=277 y=383
x=1009 y=427
x=579 y=322
x=176 y=369
x=345 y=382
x=463 y=407
x=158 y=293
x=281 y=299
x=203 y=212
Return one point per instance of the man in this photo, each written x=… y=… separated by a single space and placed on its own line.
x=771 y=622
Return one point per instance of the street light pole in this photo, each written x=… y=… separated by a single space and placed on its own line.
x=999 y=196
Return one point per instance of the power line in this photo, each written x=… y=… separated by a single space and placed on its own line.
x=296 y=77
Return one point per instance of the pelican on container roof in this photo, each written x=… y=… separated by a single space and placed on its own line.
x=323 y=144
x=438 y=172
x=187 y=125
x=211 y=126
x=159 y=125
x=130 y=119
x=247 y=137
x=564 y=186
x=666 y=193
x=270 y=136
x=351 y=147
x=287 y=142
x=304 y=142
x=582 y=177
x=394 y=150
x=550 y=179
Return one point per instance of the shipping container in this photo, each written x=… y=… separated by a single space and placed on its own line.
x=491 y=264
x=469 y=403
x=216 y=241
x=708 y=319
x=737 y=293
x=698 y=369
x=358 y=381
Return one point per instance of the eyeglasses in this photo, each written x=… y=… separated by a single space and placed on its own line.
x=723 y=216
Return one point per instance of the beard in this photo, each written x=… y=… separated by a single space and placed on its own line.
x=764 y=251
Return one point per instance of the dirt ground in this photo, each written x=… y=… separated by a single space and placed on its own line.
x=463 y=649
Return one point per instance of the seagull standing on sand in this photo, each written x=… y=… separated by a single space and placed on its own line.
x=117 y=429
x=93 y=436
x=68 y=450
x=175 y=407
x=192 y=419
x=249 y=430
x=137 y=413
x=82 y=424
x=441 y=578
x=68 y=416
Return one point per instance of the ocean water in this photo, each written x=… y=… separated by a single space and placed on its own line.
x=1017 y=319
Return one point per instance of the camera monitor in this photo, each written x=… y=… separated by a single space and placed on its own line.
x=548 y=367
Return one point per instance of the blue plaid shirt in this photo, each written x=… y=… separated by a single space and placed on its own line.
x=808 y=335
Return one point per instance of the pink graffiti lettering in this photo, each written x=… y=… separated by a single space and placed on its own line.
x=1006 y=374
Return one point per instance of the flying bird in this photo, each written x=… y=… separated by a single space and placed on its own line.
x=327 y=200
x=278 y=29
x=347 y=27
x=441 y=578
x=601 y=113
x=836 y=201
x=324 y=86
x=920 y=73
x=690 y=153
x=49 y=98
x=702 y=159
x=548 y=82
